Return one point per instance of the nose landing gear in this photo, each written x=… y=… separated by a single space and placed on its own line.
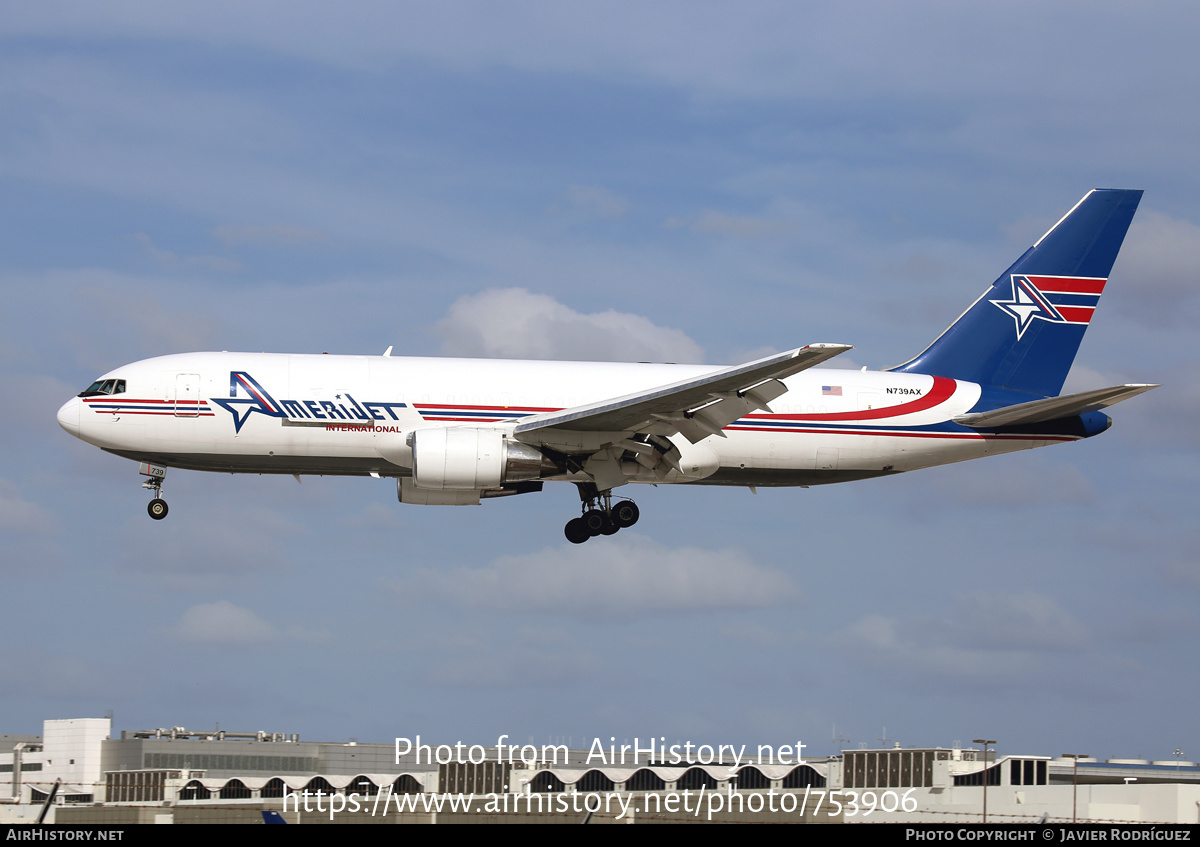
x=600 y=516
x=157 y=508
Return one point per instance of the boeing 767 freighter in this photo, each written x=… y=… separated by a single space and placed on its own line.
x=453 y=432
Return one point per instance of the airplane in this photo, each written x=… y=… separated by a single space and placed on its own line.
x=455 y=432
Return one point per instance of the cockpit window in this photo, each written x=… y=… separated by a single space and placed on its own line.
x=103 y=387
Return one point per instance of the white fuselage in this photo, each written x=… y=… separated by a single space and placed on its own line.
x=322 y=414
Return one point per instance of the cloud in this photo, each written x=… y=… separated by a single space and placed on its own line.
x=21 y=517
x=993 y=636
x=1166 y=415
x=598 y=201
x=375 y=517
x=191 y=556
x=224 y=624
x=48 y=675
x=617 y=577
x=531 y=656
x=1178 y=564
x=1154 y=540
x=1027 y=229
x=764 y=50
x=278 y=234
x=174 y=260
x=1024 y=621
x=41 y=397
x=515 y=323
x=95 y=318
x=1156 y=626
x=742 y=227
x=1005 y=484
x=888 y=645
x=1083 y=378
x=1159 y=271
x=124 y=319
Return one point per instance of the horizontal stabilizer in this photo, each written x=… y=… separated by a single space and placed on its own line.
x=1052 y=408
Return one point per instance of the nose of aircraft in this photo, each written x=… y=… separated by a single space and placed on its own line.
x=68 y=416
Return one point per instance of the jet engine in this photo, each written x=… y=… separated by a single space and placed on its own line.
x=465 y=458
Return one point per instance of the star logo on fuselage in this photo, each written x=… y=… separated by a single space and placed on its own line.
x=243 y=407
x=1027 y=305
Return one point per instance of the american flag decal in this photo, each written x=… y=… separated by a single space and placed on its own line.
x=831 y=390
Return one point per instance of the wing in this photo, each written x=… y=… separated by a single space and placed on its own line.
x=695 y=408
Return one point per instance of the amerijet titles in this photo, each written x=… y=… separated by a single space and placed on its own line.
x=242 y=407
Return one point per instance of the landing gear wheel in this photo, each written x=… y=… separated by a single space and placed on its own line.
x=576 y=531
x=157 y=508
x=625 y=513
x=594 y=520
x=600 y=516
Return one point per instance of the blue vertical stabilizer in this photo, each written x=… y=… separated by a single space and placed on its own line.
x=1023 y=332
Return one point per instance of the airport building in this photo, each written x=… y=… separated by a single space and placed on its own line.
x=76 y=772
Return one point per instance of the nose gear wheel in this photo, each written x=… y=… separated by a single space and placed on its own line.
x=156 y=508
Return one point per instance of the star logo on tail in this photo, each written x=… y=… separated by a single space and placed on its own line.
x=1028 y=304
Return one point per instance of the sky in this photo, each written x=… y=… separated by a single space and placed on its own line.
x=668 y=181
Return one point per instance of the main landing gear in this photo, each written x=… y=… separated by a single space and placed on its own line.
x=600 y=516
x=157 y=508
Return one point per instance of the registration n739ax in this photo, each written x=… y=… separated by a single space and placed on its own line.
x=454 y=432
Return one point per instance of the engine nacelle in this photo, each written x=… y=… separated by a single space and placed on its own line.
x=464 y=458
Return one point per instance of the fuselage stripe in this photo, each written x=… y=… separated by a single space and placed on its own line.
x=884 y=433
x=496 y=409
x=942 y=390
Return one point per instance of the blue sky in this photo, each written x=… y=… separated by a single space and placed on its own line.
x=668 y=181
